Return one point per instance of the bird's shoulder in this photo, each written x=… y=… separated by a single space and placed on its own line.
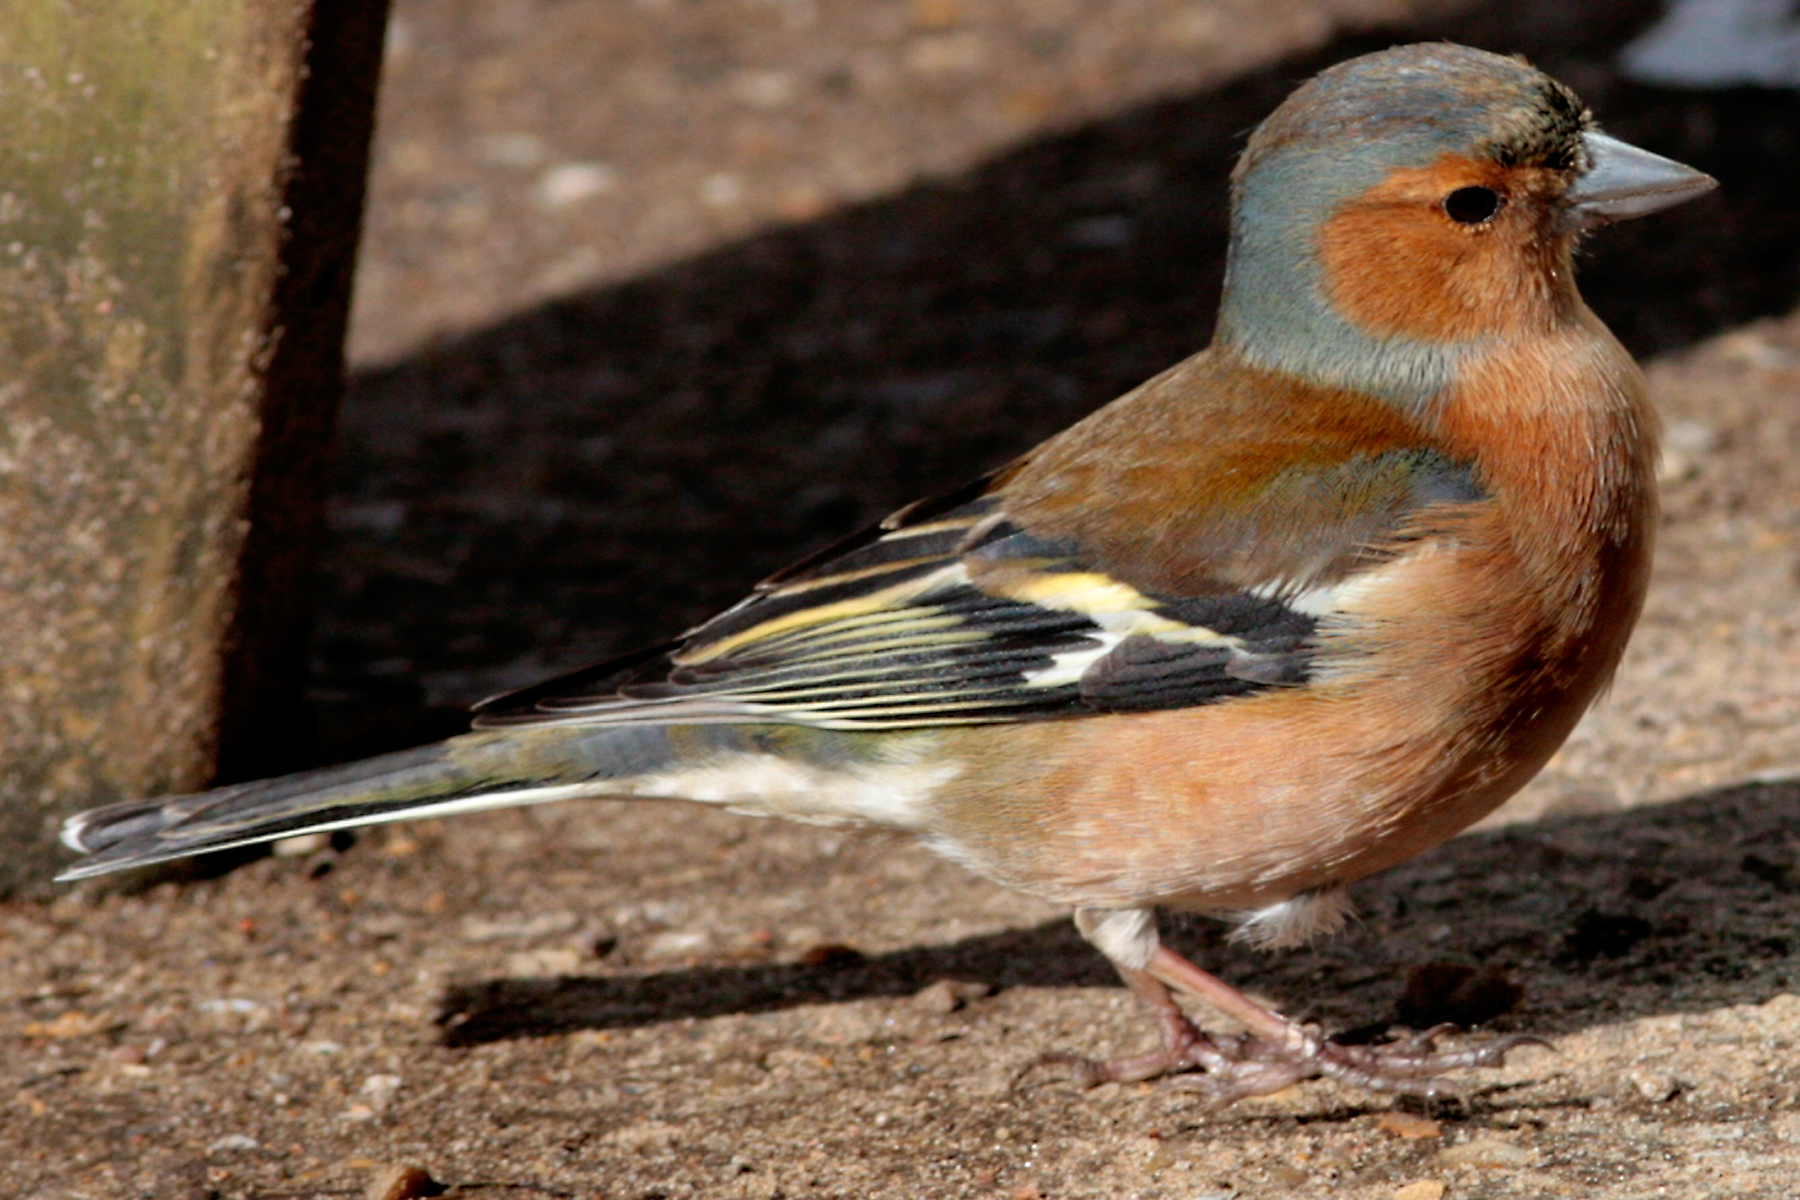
x=1218 y=473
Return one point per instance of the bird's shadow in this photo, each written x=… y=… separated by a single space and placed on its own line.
x=1550 y=927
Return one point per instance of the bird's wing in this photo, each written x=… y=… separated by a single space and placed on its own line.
x=957 y=612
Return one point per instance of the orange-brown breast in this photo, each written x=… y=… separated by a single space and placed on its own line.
x=1468 y=661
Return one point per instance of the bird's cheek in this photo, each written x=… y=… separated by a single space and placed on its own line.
x=1392 y=274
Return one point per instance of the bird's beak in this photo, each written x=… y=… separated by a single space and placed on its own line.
x=1622 y=182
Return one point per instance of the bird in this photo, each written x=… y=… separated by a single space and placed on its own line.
x=1291 y=612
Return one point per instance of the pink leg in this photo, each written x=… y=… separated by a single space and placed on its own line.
x=1184 y=1047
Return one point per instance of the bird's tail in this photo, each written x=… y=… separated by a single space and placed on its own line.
x=464 y=774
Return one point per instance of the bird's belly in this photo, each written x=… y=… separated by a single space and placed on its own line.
x=1445 y=681
x=1240 y=805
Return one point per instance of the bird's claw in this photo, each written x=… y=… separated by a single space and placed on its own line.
x=1412 y=1064
x=1185 y=1048
x=1226 y=1069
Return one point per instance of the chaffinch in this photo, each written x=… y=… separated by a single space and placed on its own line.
x=1293 y=611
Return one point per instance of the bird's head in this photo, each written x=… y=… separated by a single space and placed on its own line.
x=1403 y=209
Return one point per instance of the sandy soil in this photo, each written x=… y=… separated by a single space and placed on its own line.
x=655 y=1001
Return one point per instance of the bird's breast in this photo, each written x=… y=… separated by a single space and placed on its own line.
x=1450 y=675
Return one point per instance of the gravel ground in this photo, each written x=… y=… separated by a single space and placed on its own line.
x=655 y=1001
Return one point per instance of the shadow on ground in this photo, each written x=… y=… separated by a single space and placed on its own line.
x=1682 y=908
x=598 y=473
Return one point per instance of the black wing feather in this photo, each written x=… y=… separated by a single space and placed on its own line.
x=948 y=613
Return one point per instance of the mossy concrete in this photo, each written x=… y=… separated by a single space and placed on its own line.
x=148 y=173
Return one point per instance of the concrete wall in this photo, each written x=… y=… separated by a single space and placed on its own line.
x=180 y=187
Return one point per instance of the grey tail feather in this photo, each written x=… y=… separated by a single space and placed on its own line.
x=464 y=774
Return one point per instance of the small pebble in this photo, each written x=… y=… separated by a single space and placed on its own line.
x=676 y=943
x=1658 y=1087
x=1487 y=1152
x=832 y=954
x=517 y=926
x=1408 y=1126
x=947 y=995
x=69 y=1025
x=544 y=963
x=389 y=1181
x=234 y=1142
x=230 y=1004
x=380 y=1090
x=936 y=998
x=1692 y=437
x=572 y=182
x=1685 y=444
x=1675 y=466
x=1420 y=1189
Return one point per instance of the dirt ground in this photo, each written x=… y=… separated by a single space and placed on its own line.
x=659 y=295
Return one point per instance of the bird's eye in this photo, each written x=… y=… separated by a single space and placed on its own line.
x=1472 y=205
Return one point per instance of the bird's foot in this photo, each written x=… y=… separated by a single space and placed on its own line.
x=1227 y=1068
x=1277 y=1052
x=1184 y=1048
x=1410 y=1065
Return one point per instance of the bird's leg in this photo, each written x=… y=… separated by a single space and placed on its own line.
x=1272 y=1052
x=1184 y=1046
x=1129 y=940
x=1276 y=1052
